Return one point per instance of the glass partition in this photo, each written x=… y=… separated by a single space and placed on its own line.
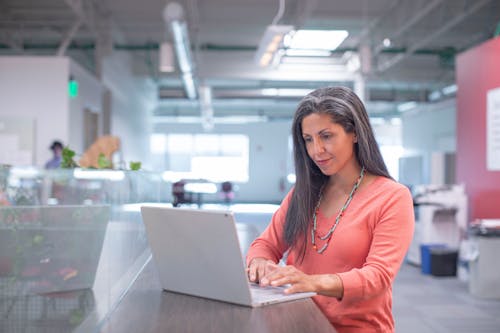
x=71 y=242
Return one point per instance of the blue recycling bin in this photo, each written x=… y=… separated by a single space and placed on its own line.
x=425 y=255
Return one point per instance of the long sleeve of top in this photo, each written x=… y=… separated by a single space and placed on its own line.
x=366 y=251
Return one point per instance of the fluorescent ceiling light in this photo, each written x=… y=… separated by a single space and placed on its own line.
x=377 y=121
x=179 y=31
x=216 y=120
x=451 y=89
x=313 y=68
x=183 y=52
x=446 y=91
x=240 y=119
x=178 y=119
x=435 y=95
x=318 y=61
x=286 y=92
x=270 y=92
x=270 y=43
x=307 y=53
x=317 y=39
x=407 y=106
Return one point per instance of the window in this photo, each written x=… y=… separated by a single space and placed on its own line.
x=214 y=157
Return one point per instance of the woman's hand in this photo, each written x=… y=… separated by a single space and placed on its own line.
x=289 y=275
x=258 y=268
x=267 y=273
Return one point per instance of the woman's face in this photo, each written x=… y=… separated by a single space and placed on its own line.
x=327 y=143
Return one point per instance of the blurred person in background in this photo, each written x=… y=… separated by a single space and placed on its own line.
x=55 y=161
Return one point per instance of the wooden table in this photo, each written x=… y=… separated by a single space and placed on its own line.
x=146 y=308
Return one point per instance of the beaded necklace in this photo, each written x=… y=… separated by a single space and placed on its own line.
x=328 y=235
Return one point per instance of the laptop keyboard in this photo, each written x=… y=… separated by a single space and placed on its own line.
x=264 y=294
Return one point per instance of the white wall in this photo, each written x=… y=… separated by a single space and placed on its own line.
x=428 y=130
x=133 y=101
x=37 y=88
x=268 y=155
x=431 y=128
x=90 y=92
x=388 y=134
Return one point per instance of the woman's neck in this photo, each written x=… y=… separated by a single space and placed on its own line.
x=345 y=178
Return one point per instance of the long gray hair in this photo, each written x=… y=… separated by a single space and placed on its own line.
x=346 y=109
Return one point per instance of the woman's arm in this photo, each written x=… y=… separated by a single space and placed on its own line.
x=322 y=284
x=392 y=235
x=270 y=245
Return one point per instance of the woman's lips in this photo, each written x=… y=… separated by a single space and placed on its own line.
x=322 y=162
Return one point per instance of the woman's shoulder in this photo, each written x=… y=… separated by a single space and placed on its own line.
x=381 y=185
x=386 y=193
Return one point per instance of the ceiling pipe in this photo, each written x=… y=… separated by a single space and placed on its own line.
x=61 y=51
x=91 y=14
x=450 y=24
x=77 y=6
x=173 y=15
x=364 y=34
x=415 y=17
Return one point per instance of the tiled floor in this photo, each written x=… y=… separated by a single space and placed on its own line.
x=427 y=304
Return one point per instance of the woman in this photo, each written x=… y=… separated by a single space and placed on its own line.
x=346 y=225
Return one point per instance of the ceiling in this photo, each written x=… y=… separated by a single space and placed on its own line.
x=425 y=35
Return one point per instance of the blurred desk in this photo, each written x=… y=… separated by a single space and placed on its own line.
x=146 y=308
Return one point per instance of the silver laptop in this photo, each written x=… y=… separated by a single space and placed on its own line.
x=197 y=253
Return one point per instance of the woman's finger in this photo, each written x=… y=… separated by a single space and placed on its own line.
x=257 y=269
x=273 y=273
x=253 y=270
x=289 y=275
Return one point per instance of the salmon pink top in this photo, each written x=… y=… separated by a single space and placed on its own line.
x=366 y=251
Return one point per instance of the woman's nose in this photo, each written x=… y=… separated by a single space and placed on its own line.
x=318 y=146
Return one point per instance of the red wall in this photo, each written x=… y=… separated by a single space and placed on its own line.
x=478 y=70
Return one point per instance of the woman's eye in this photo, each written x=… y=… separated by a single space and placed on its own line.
x=307 y=140
x=326 y=136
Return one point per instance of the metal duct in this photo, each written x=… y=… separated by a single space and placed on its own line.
x=173 y=14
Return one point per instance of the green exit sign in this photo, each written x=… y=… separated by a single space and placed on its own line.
x=72 y=88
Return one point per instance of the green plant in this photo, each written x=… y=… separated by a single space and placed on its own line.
x=103 y=162
x=134 y=165
x=67 y=158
